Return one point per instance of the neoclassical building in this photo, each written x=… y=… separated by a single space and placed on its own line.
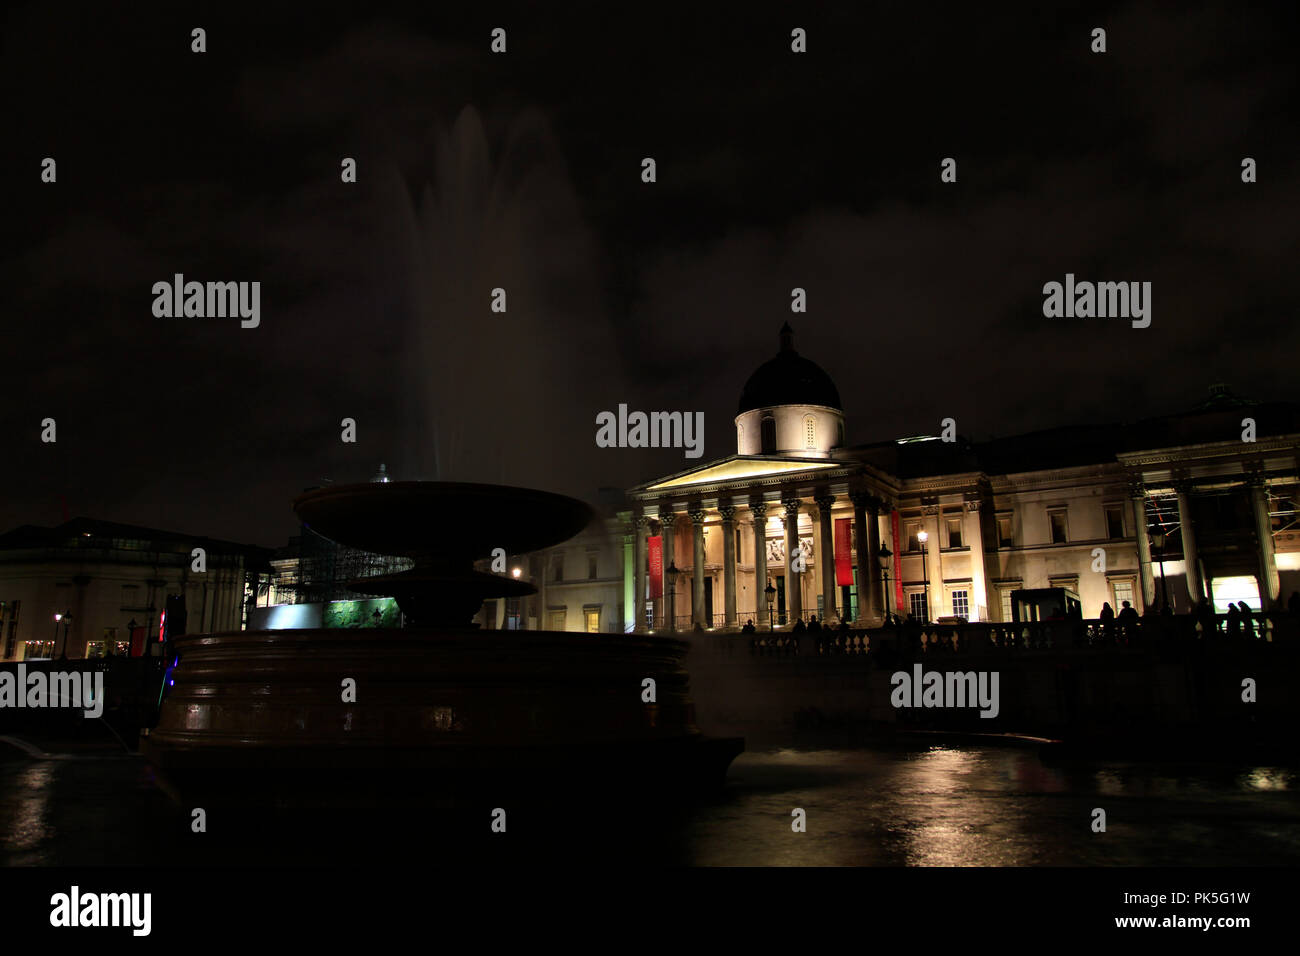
x=1166 y=509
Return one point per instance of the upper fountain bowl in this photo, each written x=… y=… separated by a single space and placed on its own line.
x=422 y=519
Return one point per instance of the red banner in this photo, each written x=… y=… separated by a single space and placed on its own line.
x=843 y=556
x=898 y=564
x=656 y=543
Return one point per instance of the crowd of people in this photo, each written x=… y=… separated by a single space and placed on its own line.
x=1124 y=627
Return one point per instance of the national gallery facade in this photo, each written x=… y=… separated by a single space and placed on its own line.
x=796 y=523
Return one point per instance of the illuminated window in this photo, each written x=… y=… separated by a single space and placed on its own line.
x=591 y=619
x=960 y=604
x=916 y=600
x=913 y=536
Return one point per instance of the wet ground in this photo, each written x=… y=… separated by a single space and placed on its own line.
x=924 y=804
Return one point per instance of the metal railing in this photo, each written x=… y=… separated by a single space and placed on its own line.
x=1154 y=633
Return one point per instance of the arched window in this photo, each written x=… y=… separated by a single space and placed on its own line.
x=740 y=439
x=810 y=432
x=769 y=436
x=840 y=432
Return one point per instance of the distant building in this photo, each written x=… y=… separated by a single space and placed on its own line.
x=1181 y=505
x=85 y=588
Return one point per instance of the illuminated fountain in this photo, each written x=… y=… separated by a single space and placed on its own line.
x=442 y=711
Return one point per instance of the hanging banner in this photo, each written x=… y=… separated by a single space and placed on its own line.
x=898 y=563
x=656 y=543
x=843 y=555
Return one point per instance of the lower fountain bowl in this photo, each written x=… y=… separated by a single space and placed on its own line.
x=373 y=717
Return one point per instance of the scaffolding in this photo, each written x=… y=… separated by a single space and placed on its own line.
x=325 y=568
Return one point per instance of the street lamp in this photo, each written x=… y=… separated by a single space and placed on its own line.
x=923 y=537
x=54 y=645
x=885 y=555
x=770 y=593
x=67 y=623
x=672 y=573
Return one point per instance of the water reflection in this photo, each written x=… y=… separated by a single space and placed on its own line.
x=937 y=806
x=24 y=809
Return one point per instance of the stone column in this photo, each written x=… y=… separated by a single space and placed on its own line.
x=1191 y=568
x=758 y=513
x=697 y=571
x=1270 y=584
x=868 y=560
x=974 y=532
x=827 y=557
x=667 y=518
x=793 y=579
x=728 y=513
x=1138 y=498
x=639 y=572
x=933 y=565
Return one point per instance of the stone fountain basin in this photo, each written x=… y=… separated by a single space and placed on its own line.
x=454 y=521
x=437 y=710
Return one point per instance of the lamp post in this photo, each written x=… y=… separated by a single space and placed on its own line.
x=770 y=593
x=672 y=573
x=54 y=645
x=924 y=536
x=885 y=555
x=67 y=623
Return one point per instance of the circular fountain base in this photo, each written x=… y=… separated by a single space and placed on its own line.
x=428 y=717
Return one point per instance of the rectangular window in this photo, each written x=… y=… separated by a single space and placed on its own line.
x=556 y=620
x=1123 y=591
x=1060 y=532
x=916 y=601
x=954 y=532
x=738 y=551
x=913 y=536
x=591 y=566
x=1114 y=521
x=591 y=619
x=557 y=568
x=1004 y=531
x=960 y=605
x=1005 y=594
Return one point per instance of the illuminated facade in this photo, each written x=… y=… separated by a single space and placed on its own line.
x=108 y=583
x=1179 y=506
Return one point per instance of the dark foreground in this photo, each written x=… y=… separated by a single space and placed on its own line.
x=923 y=802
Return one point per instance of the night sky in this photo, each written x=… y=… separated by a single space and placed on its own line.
x=523 y=171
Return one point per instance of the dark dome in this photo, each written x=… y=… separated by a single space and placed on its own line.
x=789 y=379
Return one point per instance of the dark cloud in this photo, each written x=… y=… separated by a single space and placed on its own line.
x=523 y=172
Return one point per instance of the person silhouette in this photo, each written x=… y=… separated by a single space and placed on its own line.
x=1247 y=620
